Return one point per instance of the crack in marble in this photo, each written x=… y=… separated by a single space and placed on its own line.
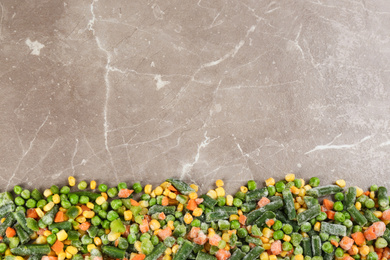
x=74 y=155
x=330 y=146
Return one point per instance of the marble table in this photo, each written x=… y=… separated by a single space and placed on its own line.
x=200 y=90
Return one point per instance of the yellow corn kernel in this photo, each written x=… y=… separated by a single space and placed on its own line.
x=34 y=236
x=300 y=200
x=378 y=213
x=197 y=212
x=294 y=190
x=153 y=195
x=243 y=189
x=71 y=250
x=48 y=206
x=81 y=219
x=47 y=233
x=154 y=224
x=317 y=226
x=193 y=195
x=278 y=194
x=107 y=231
x=167 y=257
x=168 y=251
x=264 y=256
x=92 y=184
x=71 y=181
x=68 y=255
x=303 y=182
x=137 y=246
x=97 y=241
x=233 y=217
x=148 y=189
x=144 y=211
x=354 y=249
x=100 y=200
x=286 y=238
x=175 y=248
x=267 y=232
x=290 y=177
x=62 y=235
x=297 y=205
x=80 y=210
x=272 y=257
x=90 y=205
x=364 y=250
x=2 y=220
x=240 y=212
x=227 y=247
x=180 y=207
x=143 y=204
x=220 y=192
x=195 y=187
x=267 y=246
x=371 y=248
x=340 y=183
x=358 y=205
x=264 y=239
x=104 y=194
x=113 y=236
x=219 y=183
x=90 y=247
x=89 y=214
x=307 y=187
x=302 y=192
x=61 y=256
x=18 y=258
x=165 y=185
x=300 y=210
x=229 y=200
x=170 y=225
x=270 y=182
x=226 y=237
x=283 y=254
x=304 y=234
x=298 y=257
x=359 y=191
x=158 y=190
x=212 y=194
x=372 y=194
x=188 y=218
x=166 y=192
x=8 y=252
x=128 y=215
x=47 y=193
x=56 y=198
x=211 y=232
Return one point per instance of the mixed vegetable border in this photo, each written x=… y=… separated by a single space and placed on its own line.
x=284 y=220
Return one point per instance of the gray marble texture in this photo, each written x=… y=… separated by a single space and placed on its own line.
x=200 y=90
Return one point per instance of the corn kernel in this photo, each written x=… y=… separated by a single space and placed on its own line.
x=219 y=183
x=294 y=190
x=8 y=252
x=270 y=182
x=105 y=196
x=128 y=215
x=47 y=233
x=267 y=232
x=297 y=205
x=195 y=187
x=188 y=218
x=71 y=250
x=371 y=248
x=47 y=193
x=197 y=212
x=264 y=239
x=264 y=256
x=97 y=241
x=168 y=251
x=170 y=225
x=378 y=213
x=56 y=198
x=283 y=254
x=233 y=217
x=243 y=189
x=267 y=246
x=226 y=237
x=167 y=257
x=354 y=249
x=153 y=194
x=62 y=235
x=278 y=194
x=300 y=200
x=300 y=210
x=227 y=247
x=359 y=192
x=18 y=258
x=272 y=257
x=220 y=192
x=148 y=189
x=113 y=236
x=303 y=182
x=165 y=185
x=89 y=214
x=48 y=206
x=68 y=255
x=290 y=177
x=229 y=200
x=286 y=238
x=39 y=212
x=304 y=234
x=143 y=204
x=307 y=187
x=358 y=205
x=71 y=181
x=61 y=256
x=212 y=194
x=90 y=205
x=34 y=236
x=317 y=226
x=158 y=190
x=154 y=224
x=166 y=192
x=92 y=184
x=211 y=232
x=193 y=195
x=81 y=219
x=100 y=200
x=180 y=207
x=372 y=194
x=298 y=257
x=302 y=192
x=90 y=247
x=340 y=183
x=175 y=248
x=137 y=246
x=240 y=212
x=364 y=250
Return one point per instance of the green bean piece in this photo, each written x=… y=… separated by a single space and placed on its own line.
x=181 y=186
x=310 y=201
x=383 y=199
x=158 y=250
x=204 y=256
x=357 y=217
x=309 y=214
x=306 y=245
x=316 y=245
x=31 y=249
x=256 y=194
x=113 y=252
x=289 y=204
x=184 y=250
x=272 y=206
x=237 y=255
x=6 y=209
x=324 y=191
x=254 y=253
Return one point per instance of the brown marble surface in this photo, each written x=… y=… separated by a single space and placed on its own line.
x=201 y=90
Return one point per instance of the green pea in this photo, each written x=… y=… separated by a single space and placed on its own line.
x=116 y=204
x=112 y=192
x=339 y=252
x=103 y=187
x=155 y=240
x=338 y=206
x=296 y=239
x=152 y=202
x=339 y=216
x=298 y=250
x=137 y=187
x=271 y=190
x=85 y=240
x=290 y=184
x=25 y=194
x=145 y=196
x=221 y=201
x=112 y=215
x=322 y=216
x=372 y=256
x=51 y=239
x=287 y=229
x=65 y=204
x=102 y=214
x=55 y=231
x=96 y=220
x=324 y=236
x=41 y=224
x=369 y=203
x=55 y=189
x=144 y=236
x=280 y=186
x=50 y=198
x=84 y=199
x=74 y=199
x=3 y=247
x=348 y=223
x=335 y=238
x=41 y=203
x=339 y=196
x=146 y=246
x=245 y=248
x=240 y=195
x=65 y=190
x=82 y=185
x=242 y=232
x=278 y=234
x=17 y=190
x=347 y=215
x=306 y=227
x=19 y=201
x=380 y=243
x=237 y=202
x=178 y=214
x=327 y=247
x=132 y=238
x=122 y=185
x=195 y=223
x=314 y=182
x=31 y=203
x=63 y=197
x=105 y=206
x=374 y=187
x=277 y=225
x=20 y=208
x=134 y=228
x=252 y=185
x=287 y=246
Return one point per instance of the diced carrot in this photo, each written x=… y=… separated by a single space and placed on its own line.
x=386 y=253
x=164 y=233
x=125 y=193
x=263 y=201
x=251 y=245
x=116 y=243
x=194 y=232
x=144 y=226
x=347 y=257
x=1 y=237
x=334 y=242
x=369 y=234
x=134 y=202
x=139 y=257
x=41 y=230
x=358 y=237
x=242 y=219
x=276 y=247
x=367 y=192
x=379 y=255
x=31 y=213
x=165 y=201
x=172 y=188
x=84 y=226
x=214 y=240
x=161 y=216
x=222 y=254
x=386 y=214
x=330 y=214
x=10 y=232
x=379 y=228
x=199 y=200
x=46 y=257
x=192 y=205
x=58 y=246
x=127 y=232
x=85 y=208
x=270 y=222
x=201 y=239
x=346 y=243
x=328 y=204
x=60 y=217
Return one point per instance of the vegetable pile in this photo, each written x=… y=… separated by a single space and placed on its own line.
x=286 y=220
